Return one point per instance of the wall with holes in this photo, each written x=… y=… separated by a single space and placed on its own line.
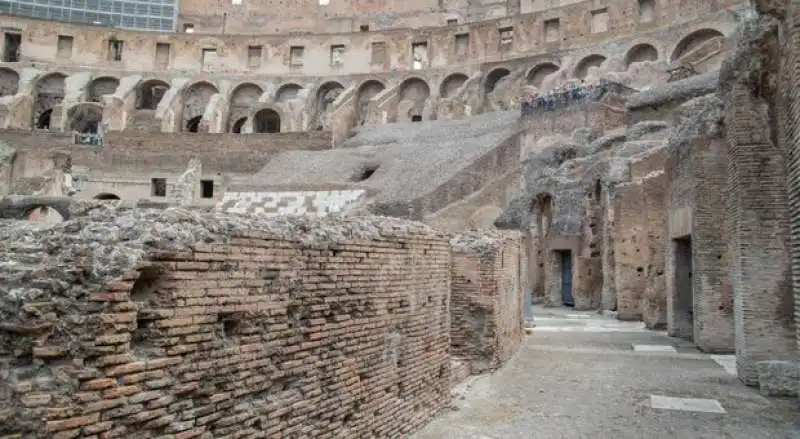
x=294 y=328
x=316 y=203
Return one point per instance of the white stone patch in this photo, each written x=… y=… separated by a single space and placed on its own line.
x=686 y=404
x=579 y=316
x=728 y=362
x=653 y=348
x=593 y=329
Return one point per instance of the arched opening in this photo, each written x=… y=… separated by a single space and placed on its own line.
x=106 y=197
x=287 y=92
x=493 y=78
x=150 y=93
x=366 y=92
x=641 y=53
x=694 y=41
x=243 y=99
x=582 y=69
x=598 y=191
x=85 y=118
x=195 y=101
x=416 y=118
x=326 y=95
x=9 y=82
x=43 y=214
x=413 y=94
x=267 y=121
x=193 y=124
x=237 y=126
x=100 y=87
x=536 y=75
x=43 y=121
x=48 y=92
x=452 y=84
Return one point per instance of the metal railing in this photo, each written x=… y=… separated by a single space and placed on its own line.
x=571 y=95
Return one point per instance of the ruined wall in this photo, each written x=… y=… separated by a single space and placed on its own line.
x=198 y=324
x=639 y=223
x=486 y=299
x=757 y=182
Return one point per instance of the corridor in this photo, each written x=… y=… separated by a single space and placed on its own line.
x=582 y=375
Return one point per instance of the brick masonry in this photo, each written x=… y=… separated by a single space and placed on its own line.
x=269 y=331
x=638 y=243
x=486 y=302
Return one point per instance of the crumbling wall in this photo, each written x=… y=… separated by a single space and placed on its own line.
x=638 y=242
x=486 y=300
x=759 y=221
x=194 y=324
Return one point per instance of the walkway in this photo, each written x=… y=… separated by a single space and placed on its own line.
x=586 y=376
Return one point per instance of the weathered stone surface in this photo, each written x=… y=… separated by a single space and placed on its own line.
x=779 y=378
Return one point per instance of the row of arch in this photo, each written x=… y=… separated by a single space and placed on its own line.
x=49 y=90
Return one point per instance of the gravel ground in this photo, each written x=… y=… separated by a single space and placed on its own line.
x=411 y=158
x=571 y=383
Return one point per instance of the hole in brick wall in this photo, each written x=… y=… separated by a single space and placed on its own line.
x=719 y=256
x=230 y=327
x=541 y=265
x=639 y=269
x=660 y=273
x=144 y=288
x=258 y=425
x=347 y=418
x=442 y=371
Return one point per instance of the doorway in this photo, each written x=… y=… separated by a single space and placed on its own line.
x=565 y=260
x=684 y=294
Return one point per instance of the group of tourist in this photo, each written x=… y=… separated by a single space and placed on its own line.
x=561 y=97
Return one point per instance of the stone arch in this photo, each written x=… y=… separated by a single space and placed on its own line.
x=366 y=91
x=43 y=214
x=537 y=73
x=415 y=93
x=493 y=78
x=98 y=87
x=149 y=94
x=582 y=68
x=238 y=124
x=641 y=53
x=106 y=196
x=693 y=41
x=267 y=120
x=49 y=91
x=243 y=98
x=287 y=92
x=327 y=93
x=452 y=84
x=9 y=82
x=85 y=117
x=195 y=101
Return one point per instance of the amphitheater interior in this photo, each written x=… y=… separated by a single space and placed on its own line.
x=313 y=218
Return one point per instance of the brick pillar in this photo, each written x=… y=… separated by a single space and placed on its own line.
x=759 y=226
x=792 y=141
x=713 y=292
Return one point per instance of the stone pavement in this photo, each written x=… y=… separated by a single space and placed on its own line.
x=582 y=375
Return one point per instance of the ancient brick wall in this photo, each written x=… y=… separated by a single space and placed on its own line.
x=711 y=282
x=792 y=138
x=759 y=221
x=638 y=243
x=218 y=152
x=286 y=328
x=486 y=299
